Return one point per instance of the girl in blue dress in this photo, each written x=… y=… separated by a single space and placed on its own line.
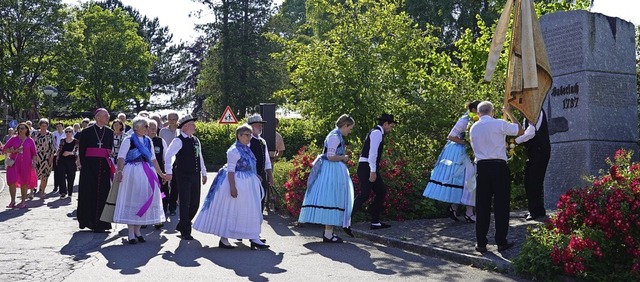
x=453 y=177
x=329 y=196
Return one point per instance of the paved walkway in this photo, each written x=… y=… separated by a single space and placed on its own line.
x=454 y=241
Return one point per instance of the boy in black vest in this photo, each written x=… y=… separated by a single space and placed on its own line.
x=189 y=168
x=536 y=140
x=263 y=163
x=368 y=173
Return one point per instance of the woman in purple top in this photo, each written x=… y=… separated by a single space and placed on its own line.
x=22 y=173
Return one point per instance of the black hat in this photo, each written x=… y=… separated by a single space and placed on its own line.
x=185 y=119
x=388 y=118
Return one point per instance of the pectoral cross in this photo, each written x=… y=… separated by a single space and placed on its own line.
x=99 y=144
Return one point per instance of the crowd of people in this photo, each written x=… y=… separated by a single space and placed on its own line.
x=134 y=175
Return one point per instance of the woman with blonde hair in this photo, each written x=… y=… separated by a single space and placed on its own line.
x=329 y=196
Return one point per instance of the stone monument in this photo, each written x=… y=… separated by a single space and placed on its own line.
x=592 y=107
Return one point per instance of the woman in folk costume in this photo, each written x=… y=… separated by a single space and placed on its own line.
x=453 y=177
x=139 y=199
x=232 y=208
x=329 y=196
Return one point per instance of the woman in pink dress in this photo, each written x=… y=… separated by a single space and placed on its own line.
x=22 y=173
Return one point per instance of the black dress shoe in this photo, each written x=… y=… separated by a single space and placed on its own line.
x=133 y=242
x=534 y=216
x=158 y=226
x=452 y=214
x=255 y=246
x=141 y=239
x=348 y=231
x=186 y=237
x=222 y=245
x=172 y=213
x=502 y=248
x=333 y=239
x=481 y=249
x=381 y=226
x=100 y=231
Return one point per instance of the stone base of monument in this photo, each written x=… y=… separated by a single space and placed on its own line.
x=574 y=162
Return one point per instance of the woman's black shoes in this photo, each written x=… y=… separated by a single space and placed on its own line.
x=469 y=218
x=255 y=246
x=333 y=239
x=141 y=239
x=224 y=246
x=452 y=214
x=133 y=242
x=348 y=231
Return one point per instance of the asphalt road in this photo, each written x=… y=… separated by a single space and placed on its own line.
x=43 y=243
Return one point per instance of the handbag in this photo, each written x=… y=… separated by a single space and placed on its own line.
x=9 y=162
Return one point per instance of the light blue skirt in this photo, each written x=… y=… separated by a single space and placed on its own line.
x=448 y=176
x=329 y=201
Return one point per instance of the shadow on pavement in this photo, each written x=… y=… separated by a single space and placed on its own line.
x=129 y=258
x=349 y=254
x=83 y=242
x=244 y=262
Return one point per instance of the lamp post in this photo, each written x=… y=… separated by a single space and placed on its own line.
x=51 y=92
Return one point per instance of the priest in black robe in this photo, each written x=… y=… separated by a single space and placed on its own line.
x=96 y=172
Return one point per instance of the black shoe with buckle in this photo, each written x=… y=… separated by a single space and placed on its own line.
x=225 y=246
x=333 y=239
x=379 y=225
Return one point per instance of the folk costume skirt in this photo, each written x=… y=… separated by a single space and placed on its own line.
x=138 y=201
x=452 y=177
x=329 y=200
x=228 y=217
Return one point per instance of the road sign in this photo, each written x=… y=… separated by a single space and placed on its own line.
x=228 y=117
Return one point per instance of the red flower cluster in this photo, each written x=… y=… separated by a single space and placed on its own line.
x=296 y=184
x=596 y=224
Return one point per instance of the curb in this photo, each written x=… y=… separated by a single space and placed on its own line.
x=482 y=262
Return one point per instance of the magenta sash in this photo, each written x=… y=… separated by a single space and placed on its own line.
x=152 y=177
x=102 y=153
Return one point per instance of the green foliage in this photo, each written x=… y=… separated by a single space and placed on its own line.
x=30 y=34
x=215 y=141
x=110 y=62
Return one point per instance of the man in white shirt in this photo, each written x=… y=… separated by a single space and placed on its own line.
x=368 y=173
x=59 y=135
x=536 y=140
x=189 y=170
x=168 y=134
x=493 y=180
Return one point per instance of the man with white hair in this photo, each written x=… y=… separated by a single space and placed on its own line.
x=96 y=171
x=123 y=118
x=493 y=180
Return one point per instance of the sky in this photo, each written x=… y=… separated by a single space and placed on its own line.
x=175 y=13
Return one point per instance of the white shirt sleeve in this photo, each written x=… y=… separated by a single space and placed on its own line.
x=530 y=131
x=172 y=150
x=332 y=145
x=203 y=168
x=153 y=153
x=460 y=128
x=267 y=161
x=375 y=138
x=124 y=148
x=510 y=129
x=232 y=159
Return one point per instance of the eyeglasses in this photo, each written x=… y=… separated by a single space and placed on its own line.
x=245 y=134
x=68 y=132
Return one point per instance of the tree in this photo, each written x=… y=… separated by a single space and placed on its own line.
x=168 y=71
x=112 y=62
x=237 y=64
x=30 y=31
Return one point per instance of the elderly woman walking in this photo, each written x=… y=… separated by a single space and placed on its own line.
x=46 y=148
x=21 y=173
x=232 y=208
x=139 y=199
x=67 y=163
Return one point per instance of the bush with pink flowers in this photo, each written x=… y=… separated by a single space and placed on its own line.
x=595 y=234
x=404 y=184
